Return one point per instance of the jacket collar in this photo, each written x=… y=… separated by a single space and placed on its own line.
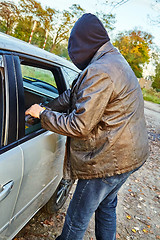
x=105 y=48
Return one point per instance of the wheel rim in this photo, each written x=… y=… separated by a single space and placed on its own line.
x=63 y=191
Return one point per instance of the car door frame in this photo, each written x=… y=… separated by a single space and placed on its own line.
x=24 y=138
x=10 y=152
x=17 y=136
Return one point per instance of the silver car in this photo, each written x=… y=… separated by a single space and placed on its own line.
x=31 y=158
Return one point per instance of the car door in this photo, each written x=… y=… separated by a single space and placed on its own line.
x=43 y=151
x=11 y=160
x=11 y=168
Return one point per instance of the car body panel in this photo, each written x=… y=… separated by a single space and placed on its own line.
x=43 y=167
x=11 y=159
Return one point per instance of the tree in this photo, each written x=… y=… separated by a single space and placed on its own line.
x=61 y=50
x=66 y=20
x=23 y=28
x=23 y=31
x=63 y=22
x=31 y=10
x=9 y=14
x=108 y=20
x=135 y=47
x=57 y=23
x=156 y=78
x=34 y=9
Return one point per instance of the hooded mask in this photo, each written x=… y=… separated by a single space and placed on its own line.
x=87 y=36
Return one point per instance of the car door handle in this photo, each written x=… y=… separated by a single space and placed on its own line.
x=5 y=190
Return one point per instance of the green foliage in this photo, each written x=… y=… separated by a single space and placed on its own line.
x=61 y=50
x=23 y=29
x=151 y=95
x=135 y=47
x=38 y=36
x=156 y=78
x=48 y=43
x=34 y=9
x=9 y=14
x=63 y=22
x=3 y=27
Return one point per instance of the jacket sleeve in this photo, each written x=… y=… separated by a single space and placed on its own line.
x=93 y=95
x=61 y=103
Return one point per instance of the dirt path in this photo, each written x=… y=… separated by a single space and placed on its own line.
x=138 y=211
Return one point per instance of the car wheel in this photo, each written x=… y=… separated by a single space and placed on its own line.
x=59 y=197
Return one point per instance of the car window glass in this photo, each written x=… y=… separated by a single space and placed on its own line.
x=38 y=76
x=69 y=75
x=39 y=87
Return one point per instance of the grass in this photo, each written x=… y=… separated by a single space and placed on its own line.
x=151 y=95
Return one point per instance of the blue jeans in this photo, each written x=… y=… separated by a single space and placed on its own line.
x=95 y=195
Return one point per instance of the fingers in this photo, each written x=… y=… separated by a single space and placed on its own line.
x=34 y=110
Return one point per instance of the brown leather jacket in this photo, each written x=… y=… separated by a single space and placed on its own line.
x=106 y=125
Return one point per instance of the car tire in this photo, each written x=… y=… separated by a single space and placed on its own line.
x=59 y=197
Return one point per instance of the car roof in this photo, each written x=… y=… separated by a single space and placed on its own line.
x=12 y=44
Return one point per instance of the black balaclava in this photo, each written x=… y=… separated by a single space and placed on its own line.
x=87 y=36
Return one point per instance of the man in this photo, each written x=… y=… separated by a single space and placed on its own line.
x=107 y=137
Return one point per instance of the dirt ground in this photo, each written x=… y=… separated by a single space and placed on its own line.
x=138 y=211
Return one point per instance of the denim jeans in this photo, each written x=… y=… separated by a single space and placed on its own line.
x=95 y=195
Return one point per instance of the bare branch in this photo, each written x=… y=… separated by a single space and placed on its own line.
x=156 y=19
x=115 y=4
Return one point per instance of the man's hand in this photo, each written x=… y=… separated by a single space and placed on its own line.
x=34 y=110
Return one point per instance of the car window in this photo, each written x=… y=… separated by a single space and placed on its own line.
x=69 y=75
x=39 y=87
x=42 y=78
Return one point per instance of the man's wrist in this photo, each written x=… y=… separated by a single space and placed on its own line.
x=40 y=113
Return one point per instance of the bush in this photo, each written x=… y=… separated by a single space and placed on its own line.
x=151 y=95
